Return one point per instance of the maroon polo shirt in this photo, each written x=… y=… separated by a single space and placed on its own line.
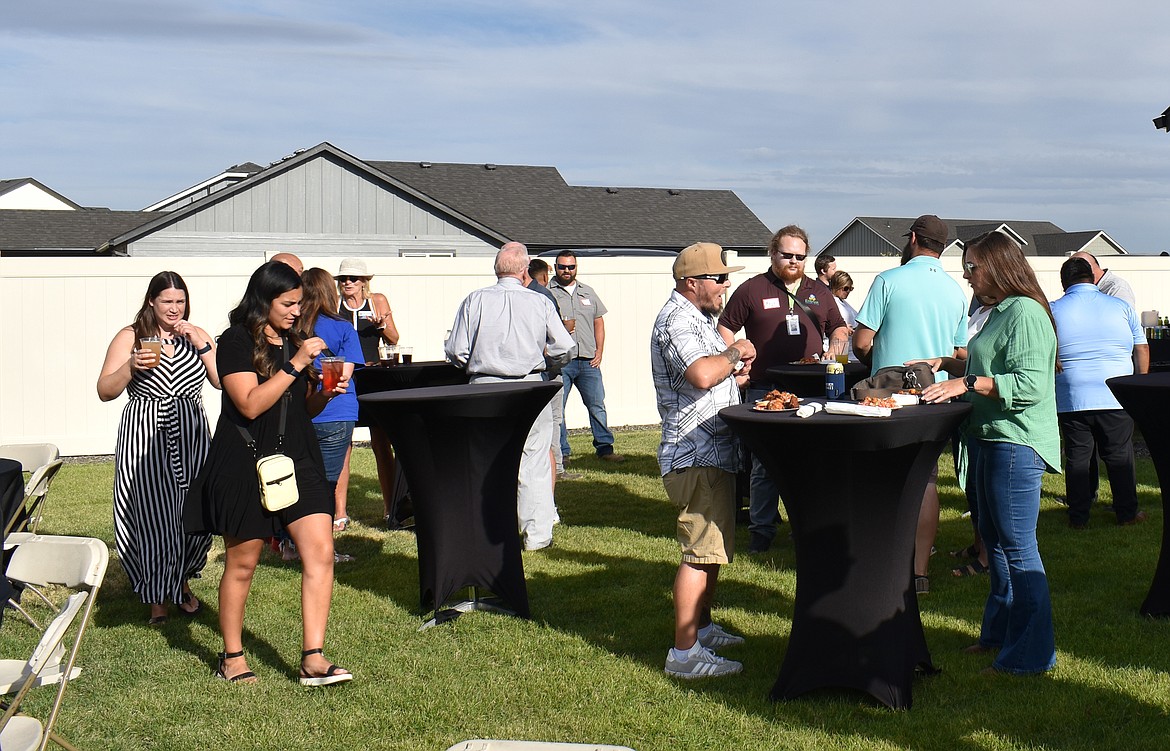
x=760 y=306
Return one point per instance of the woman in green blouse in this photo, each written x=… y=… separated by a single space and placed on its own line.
x=1012 y=435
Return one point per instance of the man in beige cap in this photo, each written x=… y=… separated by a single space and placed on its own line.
x=695 y=375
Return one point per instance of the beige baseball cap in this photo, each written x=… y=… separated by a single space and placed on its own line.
x=700 y=259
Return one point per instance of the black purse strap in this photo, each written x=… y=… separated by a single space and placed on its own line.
x=285 y=398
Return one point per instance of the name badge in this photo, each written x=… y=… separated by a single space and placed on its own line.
x=771 y=303
x=365 y=314
x=793 y=324
x=586 y=302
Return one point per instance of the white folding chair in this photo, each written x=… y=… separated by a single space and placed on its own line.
x=35 y=492
x=76 y=563
x=31 y=456
x=488 y=745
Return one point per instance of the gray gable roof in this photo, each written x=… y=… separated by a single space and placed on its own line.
x=33 y=232
x=535 y=205
x=14 y=183
x=892 y=231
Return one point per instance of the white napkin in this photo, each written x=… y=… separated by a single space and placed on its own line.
x=845 y=408
x=808 y=410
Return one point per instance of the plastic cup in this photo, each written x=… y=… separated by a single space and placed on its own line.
x=331 y=371
x=407 y=354
x=386 y=354
x=152 y=344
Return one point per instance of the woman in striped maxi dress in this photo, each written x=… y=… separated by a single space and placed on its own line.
x=162 y=442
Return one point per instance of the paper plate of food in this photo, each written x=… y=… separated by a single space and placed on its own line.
x=777 y=401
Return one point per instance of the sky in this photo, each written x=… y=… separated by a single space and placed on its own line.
x=813 y=113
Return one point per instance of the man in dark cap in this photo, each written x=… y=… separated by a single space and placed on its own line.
x=915 y=312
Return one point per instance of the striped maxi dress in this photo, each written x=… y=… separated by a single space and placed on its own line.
x=162 y=443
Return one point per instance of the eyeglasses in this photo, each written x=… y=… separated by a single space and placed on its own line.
x=847 y=289
x=346 y=279
x=792 y=256
x=566 y=267
x=970 y=266
x=717 y=278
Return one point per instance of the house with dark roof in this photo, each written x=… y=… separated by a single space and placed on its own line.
x=27 y=193
x=324 y=201
x=886 y=236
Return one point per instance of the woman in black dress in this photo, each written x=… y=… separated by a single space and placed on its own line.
x=260 y=359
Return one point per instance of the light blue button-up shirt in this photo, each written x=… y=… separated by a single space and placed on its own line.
x=1096 y=334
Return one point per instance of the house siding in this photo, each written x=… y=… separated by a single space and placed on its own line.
x=321 y=207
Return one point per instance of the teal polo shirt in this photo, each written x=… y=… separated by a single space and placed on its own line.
x=917 y=310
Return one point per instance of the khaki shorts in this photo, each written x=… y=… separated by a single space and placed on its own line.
x=705 y=499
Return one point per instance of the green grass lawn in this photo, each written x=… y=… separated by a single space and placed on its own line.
x=588 y=666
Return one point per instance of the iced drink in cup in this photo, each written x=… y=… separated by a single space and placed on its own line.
x=152 y=344
x=384 y=350
x=407 y=355
x=331 y=372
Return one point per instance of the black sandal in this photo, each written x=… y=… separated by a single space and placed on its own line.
x=220 y=672
x=333 y=675
x=967 y=552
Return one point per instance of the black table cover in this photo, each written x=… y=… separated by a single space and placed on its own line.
x=373 y=379
x=809 y=380
x=1147 y=400
x=853 y=487
x=11 y=503
x=460 y=448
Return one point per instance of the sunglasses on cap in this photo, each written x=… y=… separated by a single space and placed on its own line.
x=566 y=267
x=717 y=278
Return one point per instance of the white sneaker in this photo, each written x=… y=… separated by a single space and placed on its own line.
x=717 y=638
x=704 y=664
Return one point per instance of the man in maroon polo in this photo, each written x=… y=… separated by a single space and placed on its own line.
x=787 y=315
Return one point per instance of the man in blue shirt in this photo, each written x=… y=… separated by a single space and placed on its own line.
x=915 y=311
x=1098 y=337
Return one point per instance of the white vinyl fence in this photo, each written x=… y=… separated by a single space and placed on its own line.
x=59 y=315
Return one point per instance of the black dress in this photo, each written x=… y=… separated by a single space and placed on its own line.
x=225 y=497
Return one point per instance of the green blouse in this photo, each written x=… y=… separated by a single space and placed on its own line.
x=1017 y=348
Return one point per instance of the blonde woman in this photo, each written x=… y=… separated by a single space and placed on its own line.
x=371 y=317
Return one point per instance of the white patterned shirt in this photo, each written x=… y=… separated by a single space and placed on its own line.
x=693 y=435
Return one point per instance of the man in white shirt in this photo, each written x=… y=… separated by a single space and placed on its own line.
x=504 y=333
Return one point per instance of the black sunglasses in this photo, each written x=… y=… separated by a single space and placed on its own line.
x=792 y=256
x=717 y=278
x=566 y=267
x=344 y=279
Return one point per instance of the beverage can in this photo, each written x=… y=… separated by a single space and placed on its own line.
x=834 y=381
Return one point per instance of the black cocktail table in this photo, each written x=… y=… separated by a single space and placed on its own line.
x=1147 y=400
x=855 y=622
x=460 y=448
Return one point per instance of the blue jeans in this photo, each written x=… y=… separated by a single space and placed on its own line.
x=1018 y=615
x=334 y=438
x=588 y=381
x=764 y=503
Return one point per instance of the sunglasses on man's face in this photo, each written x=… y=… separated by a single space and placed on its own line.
x=566 y=267
x=717 y=278
x=348 y=279
x=792 y=256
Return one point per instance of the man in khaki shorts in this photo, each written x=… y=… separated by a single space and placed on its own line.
x=695 y=375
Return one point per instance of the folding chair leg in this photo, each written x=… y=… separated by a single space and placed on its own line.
x=16 y=606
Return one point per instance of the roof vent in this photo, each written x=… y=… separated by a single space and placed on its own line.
x=489 y=166
x=611 y=191
x=424 y=165
x=674 y=192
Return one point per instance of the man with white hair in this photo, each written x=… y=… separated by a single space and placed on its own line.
x=1108 y=282
x=504 y=333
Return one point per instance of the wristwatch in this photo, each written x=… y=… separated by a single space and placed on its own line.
x=970 y=381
